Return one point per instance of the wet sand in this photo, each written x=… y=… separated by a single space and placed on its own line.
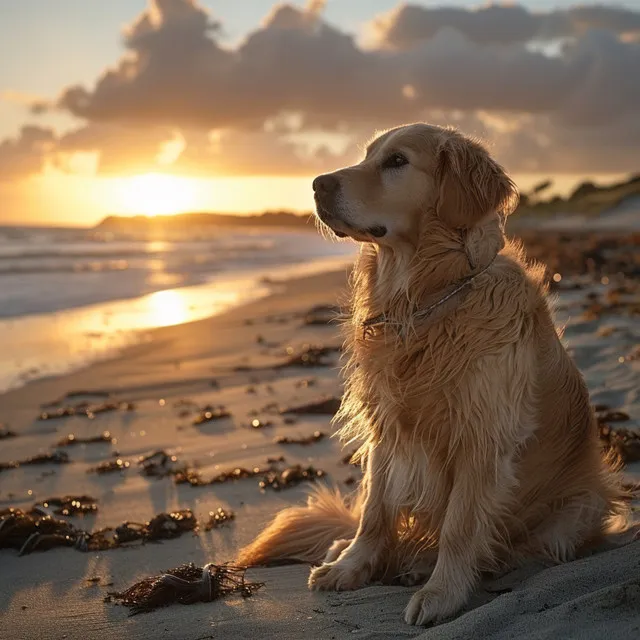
x=212 y=395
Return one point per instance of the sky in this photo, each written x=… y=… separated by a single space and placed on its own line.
x=159 y=106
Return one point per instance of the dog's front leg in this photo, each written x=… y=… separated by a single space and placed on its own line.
x=365 y=555
x=467 y=538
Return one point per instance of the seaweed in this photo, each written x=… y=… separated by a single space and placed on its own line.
x=290 y=477
x=158 y=464
x=72 y=439
x=192 y=477
x=256 y=423
x=322 y=406
x=57 y=457
x=186 y=584
x=70 y=505
x=86 y=410
x=211 y=414
x=218 y=518
x=37 y=530
x=110 y=466
x=308 y=356
x=316 y=436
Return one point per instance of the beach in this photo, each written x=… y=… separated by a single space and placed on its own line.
x=214 y=395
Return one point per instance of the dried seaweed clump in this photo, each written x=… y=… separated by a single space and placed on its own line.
x=186 y=584
x=158 y=464
x=324 y=406
x=316 y=436
x=110 y=466
x=211 y=414
x=290 y=477
x=192 y=477
x=218 y=518
x=308 y=356
x=26 y=531
x=86 y=410
x=71 y=505
x=58 y=457
x=72 y=439
x=37 y=530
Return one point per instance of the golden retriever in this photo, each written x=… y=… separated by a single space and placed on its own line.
x=480 y=444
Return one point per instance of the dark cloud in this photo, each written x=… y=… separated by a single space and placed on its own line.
x=25 y=154
x=409 y=25
x=250 y=109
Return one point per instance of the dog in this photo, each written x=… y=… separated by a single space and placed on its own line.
x=478 y=442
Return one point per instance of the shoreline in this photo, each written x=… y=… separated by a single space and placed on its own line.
x=81 y=336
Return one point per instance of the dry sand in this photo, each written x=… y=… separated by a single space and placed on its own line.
x=48 y=595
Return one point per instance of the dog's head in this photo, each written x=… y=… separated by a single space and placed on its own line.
x=407 y=174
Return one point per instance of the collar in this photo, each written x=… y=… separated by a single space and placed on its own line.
x=424 y=313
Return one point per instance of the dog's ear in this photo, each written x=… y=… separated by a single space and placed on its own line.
x=471 y=183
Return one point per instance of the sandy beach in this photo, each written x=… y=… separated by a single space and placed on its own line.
x=247 y=360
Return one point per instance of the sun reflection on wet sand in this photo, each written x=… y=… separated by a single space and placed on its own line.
x=49 y=344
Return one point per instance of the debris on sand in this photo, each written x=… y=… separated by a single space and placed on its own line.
x=624 y=442
x=37 y=531
x=26 y=531
x=86 y=410
x=6 y=433
x=305 y=383
x=186 y=584
x=58 y=457
x=611 y=416
x=158 y=464
x=324 y=406
x=290 y=477
x=218 y=518
x=256 y=423
x=72 y=439
x=211 y=414
x=308 y=356
x=77 y=394
x=192 y=477
x=69 y=505
x=316 y=436
x=322 y=314
x=273 y=460
x=110 y=466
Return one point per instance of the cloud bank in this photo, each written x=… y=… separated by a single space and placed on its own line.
x=554 y=91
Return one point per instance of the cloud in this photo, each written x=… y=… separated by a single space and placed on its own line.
x=26 y=153
x=409 y=25
x=252 y=108
x=176 y=74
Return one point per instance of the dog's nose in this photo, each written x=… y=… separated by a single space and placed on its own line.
x=326 y=184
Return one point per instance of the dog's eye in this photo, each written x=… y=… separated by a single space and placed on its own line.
x=394 y=161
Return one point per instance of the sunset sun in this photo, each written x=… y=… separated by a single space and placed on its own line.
x=155 y=194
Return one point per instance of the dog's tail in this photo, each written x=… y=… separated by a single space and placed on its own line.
x=304 y=534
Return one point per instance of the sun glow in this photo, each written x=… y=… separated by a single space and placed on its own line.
x=154 y=194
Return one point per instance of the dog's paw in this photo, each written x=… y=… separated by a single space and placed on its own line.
x=431 y=605
x=335 y=550
x=342 y=575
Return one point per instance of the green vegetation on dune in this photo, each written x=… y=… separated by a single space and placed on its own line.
x=587 y=198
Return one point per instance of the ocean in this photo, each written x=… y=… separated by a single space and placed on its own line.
x=71 y=296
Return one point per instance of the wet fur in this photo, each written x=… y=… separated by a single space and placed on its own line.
x=478 y=440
